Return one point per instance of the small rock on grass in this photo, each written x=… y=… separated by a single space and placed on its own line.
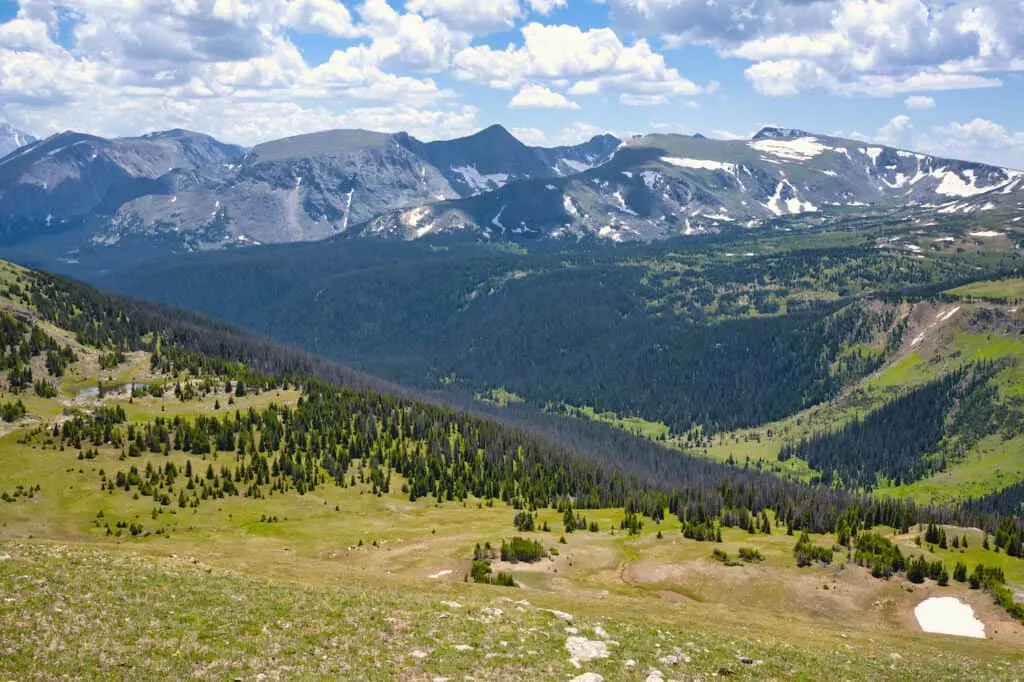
x=560 y=615
x=587 y=677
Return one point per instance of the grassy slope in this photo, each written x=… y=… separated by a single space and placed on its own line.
x=341 y=586
x=1010 y=289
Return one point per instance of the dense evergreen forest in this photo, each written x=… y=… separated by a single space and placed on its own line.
x=912 y=436
x=440 y=452
x=685 y=333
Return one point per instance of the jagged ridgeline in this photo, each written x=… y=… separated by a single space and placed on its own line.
x=440 y=452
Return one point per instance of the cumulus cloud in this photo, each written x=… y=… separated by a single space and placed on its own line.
x=546 y=7
x=475 y=16
x=898 y=132
x=977 y=139
x=532 y=136
x=788 y=77
x=131 y=67
x=856 y=47
x=596 y=60
x=329 y=17
x=533 y=96
x=919 y=102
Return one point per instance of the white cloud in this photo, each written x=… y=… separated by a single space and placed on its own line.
x=898 y=132
x=533 y=96
x=788 y=77
x=474 y=16
x=546 y=7
x=919 y=102
x=855 y=47
x=595 y=58
x=700 y=21
x=977 y=139
x=633 y=100
x=578 y=132
x=408 y=40
x=531 y=136
x=132 y=67
x=329 y=17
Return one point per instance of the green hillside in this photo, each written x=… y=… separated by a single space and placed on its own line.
x=181 y=500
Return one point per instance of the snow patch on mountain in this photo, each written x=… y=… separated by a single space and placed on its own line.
x=576 y=166
x=954 y=185
x=797 y=149
x=699 y=164
x=414 y=217
x=496 y=220
x=570 y=206
x=479 y=182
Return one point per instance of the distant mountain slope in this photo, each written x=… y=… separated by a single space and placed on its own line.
x=657 y=186
x=313 y=186
x=11 y=138
x=178 y=191
x=571 y=159
x=295 y=189
x=182 y=191
x=70 y=177
x=482 y=162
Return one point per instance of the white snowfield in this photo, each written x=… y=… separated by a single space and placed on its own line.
x=799 y=149
x=479 y=182
x=949 y=616
x=699 y=164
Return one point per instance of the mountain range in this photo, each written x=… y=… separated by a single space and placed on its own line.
x=657 y=186
x=178 y=190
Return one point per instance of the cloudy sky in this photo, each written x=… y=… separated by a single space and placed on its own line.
x=942 y=76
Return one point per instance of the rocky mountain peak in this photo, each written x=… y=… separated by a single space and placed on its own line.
x=774 y=133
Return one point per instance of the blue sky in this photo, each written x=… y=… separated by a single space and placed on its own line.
x=942 y=76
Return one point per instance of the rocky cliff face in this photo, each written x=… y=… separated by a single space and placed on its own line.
x=11 y=138
x=69 y=178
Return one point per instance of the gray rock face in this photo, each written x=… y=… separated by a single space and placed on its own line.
x=68 y=178
x=581 y=157
x=178 y=190
x=657 y=186
x=314 y=186
x=11 y=138
x=291 y=190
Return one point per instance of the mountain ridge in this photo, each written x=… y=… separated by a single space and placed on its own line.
x=11 y=139
x=659 y=185
x=177 y=190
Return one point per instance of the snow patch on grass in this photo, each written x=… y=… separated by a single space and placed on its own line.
x=949 y=616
